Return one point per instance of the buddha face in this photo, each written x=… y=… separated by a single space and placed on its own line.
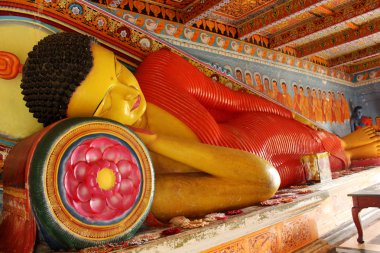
x=274 y=85
x=248 y=79
x=258 y=80
x=283 y=87
x=301 y=91
x=239 y=75
x=110 y=91
x=266 y=83
x=295 y=89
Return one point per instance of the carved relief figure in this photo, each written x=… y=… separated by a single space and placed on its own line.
x=318 y=107
x=248 y=78
x=286 y=98
x=259 y=84
x=268 y=90
x=276 y=95
x=239 y=74
x=303 y=103
x=296 y=99
x=329 y=117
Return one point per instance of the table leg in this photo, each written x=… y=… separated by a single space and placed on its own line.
x=355 y=216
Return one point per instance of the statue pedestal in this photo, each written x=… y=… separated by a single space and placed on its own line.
x=282 y=228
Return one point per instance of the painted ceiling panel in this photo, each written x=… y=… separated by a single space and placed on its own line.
x=350 y=47
x=335 y=31
x=237 y=9
x=287 y=23
x=175 y=4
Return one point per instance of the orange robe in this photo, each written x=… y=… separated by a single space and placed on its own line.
x=287 y=100
x=222 y=117
x=297 y=103
x=318 y=110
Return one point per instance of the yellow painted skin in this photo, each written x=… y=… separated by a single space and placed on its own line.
x=360 y=144
x=363 y=143
x=192 y=178
x=104 y=90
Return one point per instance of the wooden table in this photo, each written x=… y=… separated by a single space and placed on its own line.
x=367 y=197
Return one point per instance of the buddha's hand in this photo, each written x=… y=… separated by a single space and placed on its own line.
x=361 y=137
x=371 y=150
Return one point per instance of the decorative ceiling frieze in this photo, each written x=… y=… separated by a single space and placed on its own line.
x=216 y=27
x=340 y=38
x=147 y=8
x=341 y=15
x=238 y=9
x=338 y=33
x=274 y=16
x=202 y=9
x=262 y=41
x=355 y=56
x=370 y=64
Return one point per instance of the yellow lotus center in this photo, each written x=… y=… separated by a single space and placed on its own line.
x=106 y=179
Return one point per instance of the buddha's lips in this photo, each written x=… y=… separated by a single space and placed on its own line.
x=137 y=103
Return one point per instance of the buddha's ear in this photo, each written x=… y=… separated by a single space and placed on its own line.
x=10 y=65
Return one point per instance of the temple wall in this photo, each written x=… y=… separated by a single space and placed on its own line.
x=364 y=91
x=368 y=96
x=283 y=73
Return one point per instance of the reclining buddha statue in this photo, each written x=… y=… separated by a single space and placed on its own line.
x=213 y=149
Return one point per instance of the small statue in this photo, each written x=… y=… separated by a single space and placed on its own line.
x=356 y=118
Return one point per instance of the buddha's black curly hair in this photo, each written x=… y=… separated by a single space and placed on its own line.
x=55 y=67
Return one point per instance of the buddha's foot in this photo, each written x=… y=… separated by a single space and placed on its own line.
x=361 y=137
x=370 y=150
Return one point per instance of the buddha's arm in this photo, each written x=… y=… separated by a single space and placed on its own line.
x=198 y=195
x=222 y=162
x=227 y=178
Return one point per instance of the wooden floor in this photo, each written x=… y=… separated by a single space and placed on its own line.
x=343 y=239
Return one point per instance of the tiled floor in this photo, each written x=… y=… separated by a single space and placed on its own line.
x=371 y=243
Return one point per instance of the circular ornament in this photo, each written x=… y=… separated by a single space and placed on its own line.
x=124 y=32
x=100 y=22
x=145 y=43
x=76 y=9
x=91 y=182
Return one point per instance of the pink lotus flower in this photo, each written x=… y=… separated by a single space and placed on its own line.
x=102 y=179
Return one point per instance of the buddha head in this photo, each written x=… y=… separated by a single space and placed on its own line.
x=274 y=86
x=70 y=75
x=248 y=78
x=357 y=112
x=283 y=87
x=258 y=79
